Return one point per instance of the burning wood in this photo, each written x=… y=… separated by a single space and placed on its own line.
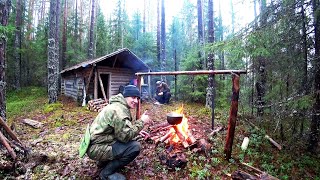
x=191 y=139
x=166 y=136
x=178 y=133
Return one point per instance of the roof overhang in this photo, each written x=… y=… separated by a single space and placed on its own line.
x=122 y=58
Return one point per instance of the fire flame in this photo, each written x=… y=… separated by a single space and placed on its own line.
x=183 y=127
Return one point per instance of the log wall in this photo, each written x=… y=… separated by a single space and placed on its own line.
x=118 y=77
x=72 y=85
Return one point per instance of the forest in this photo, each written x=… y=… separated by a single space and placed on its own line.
x=279 y=98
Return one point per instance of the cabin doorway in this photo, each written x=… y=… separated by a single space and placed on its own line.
x=104 y=86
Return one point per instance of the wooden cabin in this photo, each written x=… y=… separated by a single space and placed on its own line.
x=101 y=77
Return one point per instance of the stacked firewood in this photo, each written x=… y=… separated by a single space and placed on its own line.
x=97 y=104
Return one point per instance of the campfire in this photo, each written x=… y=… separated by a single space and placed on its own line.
x=178 y=132
x=176 y=135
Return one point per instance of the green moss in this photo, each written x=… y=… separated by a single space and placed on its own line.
x=52 y=107
x=24 y=101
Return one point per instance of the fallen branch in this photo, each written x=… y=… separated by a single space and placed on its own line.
x=9 y=131
x=273 y=142
x=163 y=124
x=8 y=147
x=267 y=136
x=263 y=175
x=215 y=131
x=241 y=175
x=161 y=129
x=32 y=123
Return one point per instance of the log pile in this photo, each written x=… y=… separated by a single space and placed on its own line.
x=96 y=104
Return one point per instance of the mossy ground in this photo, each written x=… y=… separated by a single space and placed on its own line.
x=64 y=124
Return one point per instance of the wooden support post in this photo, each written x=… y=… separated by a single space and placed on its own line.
x=89 y=78
x=138 y=111
x=232 y=116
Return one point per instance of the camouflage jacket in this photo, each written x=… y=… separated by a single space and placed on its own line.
x=114 y=123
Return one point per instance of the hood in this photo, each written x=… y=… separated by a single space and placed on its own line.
x=118 y=99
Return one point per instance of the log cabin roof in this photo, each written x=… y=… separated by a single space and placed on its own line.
x=122 y=58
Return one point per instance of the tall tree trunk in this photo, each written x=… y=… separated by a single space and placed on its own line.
x=211 y=83
x=64 y=36
x=144 y=16
x=315 y=122
x=200 y=34
x=58 y=41
x=17 y=45
x=76 y=22
x=4 y=17
x=53 y=62
x=30 y=19
x=158 y=35
x=221 y=38
x=232 y=17
x=304 y=81
x=81 y=24
x=261 y=76
x=163 y=37
x=91 y=34
x=42 y=11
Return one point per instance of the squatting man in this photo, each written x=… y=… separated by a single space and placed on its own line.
x=109 y=139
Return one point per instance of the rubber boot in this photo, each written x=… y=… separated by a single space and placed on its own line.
x=116 y=176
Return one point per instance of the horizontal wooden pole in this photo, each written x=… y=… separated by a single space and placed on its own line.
x=200 y=72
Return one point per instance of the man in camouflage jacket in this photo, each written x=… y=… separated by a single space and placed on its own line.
x=112 y=131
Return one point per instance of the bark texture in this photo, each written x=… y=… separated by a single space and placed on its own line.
x=4 y=17
x=53 y=62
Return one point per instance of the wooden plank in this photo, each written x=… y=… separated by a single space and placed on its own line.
x=115 y=60
x=95 y=93
x=102 y=88
x=201 y=72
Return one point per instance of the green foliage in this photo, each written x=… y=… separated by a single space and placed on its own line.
x=302 y=103
x=5 y=30
x=199 y=168
x=21 y=102
x=103 y=41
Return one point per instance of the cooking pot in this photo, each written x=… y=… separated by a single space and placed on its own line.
x=174 y=118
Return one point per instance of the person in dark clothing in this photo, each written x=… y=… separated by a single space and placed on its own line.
x=163 y=94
